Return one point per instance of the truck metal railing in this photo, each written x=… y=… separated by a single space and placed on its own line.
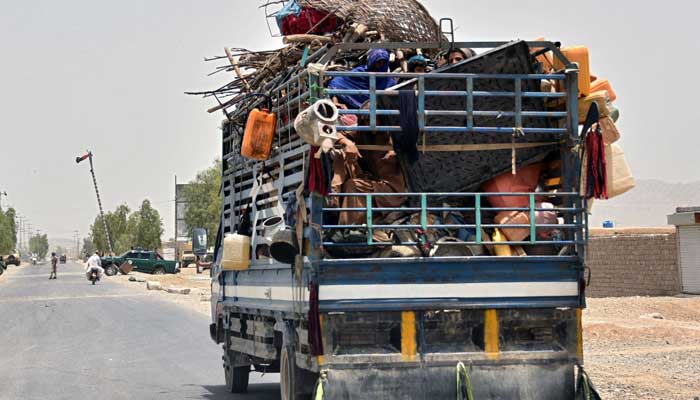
x=469 y=94
x=572 y=233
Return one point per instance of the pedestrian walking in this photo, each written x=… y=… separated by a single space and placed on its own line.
x=54 y=264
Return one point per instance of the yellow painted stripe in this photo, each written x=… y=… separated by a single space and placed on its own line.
x=491 y=334
x=579 y=336
x=321 y=359
x=408 y=335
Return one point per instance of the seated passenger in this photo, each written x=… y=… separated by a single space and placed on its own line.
x=377 y=61
x=418 y=64
x=366 y=172
x=454 y=56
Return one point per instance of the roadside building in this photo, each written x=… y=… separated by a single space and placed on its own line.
x=687 y=222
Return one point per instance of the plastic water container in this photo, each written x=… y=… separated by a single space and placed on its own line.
x=608 y=224
x=603 y=84
x=601 y=97
x=236 y=253
x=579 y=55
x=501 y=250
x=259 y=134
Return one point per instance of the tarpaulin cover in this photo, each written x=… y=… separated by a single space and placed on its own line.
x=461 y=171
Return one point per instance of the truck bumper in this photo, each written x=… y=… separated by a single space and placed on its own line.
x=525 y=381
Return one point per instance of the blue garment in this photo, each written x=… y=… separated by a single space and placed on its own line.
x=291 y=8
x=355 y=101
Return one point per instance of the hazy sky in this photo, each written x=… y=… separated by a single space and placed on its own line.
x=110 y=76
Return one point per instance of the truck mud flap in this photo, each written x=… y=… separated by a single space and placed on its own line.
x=513 y=382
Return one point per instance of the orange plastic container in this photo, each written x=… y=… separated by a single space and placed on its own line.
x=603 y=84
x=602 y=98
x=579 y=55
x=258 y=135
x=525 y=181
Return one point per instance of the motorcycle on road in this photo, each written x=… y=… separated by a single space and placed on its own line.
x=94 y=275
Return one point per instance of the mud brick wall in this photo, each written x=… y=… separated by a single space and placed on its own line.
x=633 y=265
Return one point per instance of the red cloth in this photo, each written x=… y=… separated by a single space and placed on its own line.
x=315 y=334
x=319 y=175
x=309 y=17
x=597 y=186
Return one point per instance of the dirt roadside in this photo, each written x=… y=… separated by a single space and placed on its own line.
x=197 y=299
x=635 y=347
x=643 y=347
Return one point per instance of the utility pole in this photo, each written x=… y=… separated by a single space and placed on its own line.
x=177 y=247
x=27 y=231
x=77 y=245
x=19 y=232
x=88 y=155
x=2 y=193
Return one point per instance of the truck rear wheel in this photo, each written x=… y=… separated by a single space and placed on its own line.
x=236 y=377
x=295 y=383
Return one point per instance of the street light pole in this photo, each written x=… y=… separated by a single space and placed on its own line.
x=88 y=155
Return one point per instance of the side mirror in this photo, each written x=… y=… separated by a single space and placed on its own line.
x=199 y=241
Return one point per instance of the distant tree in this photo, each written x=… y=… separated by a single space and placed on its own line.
x=141 y=228
x=146 y=226
x=39 y=244
x=8 y=231
x=204 y=200
x=117 y=223
x=88 y=247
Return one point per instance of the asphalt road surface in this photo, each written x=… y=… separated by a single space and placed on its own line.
x=67 y=339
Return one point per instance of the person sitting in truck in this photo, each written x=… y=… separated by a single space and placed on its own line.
x=418 y=64
x=454 y=56
x=368 y=171
x=377 y=61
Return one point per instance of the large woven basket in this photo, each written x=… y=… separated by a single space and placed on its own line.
x=398 y=20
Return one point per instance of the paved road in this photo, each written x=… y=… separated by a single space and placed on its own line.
x=67 y=339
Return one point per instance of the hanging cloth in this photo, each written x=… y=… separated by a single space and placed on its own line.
x=320 y=172
x=405 y=141
x=596 y=174
x=315 y=335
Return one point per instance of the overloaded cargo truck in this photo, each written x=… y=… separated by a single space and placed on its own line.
x=429 y=296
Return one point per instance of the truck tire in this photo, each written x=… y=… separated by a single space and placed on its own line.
x=295 y=383
x=111 y=270
x=2 y=270
x=12 y=260
x=236 y=377
x=159 y=271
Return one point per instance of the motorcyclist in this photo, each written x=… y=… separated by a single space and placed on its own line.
x=94 y=262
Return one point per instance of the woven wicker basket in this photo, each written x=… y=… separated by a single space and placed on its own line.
x=398 y=20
